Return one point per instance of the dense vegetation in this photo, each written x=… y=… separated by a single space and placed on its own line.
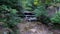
x=9 y=14
x=11 y=10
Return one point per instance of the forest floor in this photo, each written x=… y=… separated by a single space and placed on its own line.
x=34 y=28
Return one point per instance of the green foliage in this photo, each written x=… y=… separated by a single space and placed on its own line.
x=14 y=11
x=39 y=11
x=9 y=16
x=10 y=10
x=33 y=4
x=27 y=4
x=56 y=18
x=57 y=1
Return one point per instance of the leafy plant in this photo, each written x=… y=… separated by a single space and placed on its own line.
x=39 y=11
x=56 y=18
x=9 y=17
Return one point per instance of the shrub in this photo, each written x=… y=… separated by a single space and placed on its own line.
x=56 y=18
x=9 y=17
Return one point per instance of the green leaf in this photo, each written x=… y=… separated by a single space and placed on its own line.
x=14 y=11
